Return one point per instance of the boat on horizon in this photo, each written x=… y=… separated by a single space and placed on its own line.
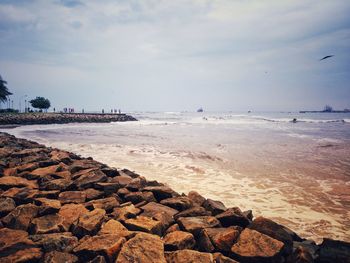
x=200 y=110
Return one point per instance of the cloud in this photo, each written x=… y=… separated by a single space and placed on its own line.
x=71 y=3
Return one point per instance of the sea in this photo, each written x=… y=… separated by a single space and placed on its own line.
x=295 y=173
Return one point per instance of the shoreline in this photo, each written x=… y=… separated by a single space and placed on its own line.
x=42 y=188
x=13 y=120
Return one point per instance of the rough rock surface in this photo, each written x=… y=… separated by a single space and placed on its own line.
x=58 y=207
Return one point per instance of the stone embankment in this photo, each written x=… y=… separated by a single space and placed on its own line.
x=59 y=118
x=58 y=207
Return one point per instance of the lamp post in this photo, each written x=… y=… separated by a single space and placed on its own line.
x=20 y=103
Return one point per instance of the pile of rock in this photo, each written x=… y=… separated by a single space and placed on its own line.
x=58 y=207
x=60 y=118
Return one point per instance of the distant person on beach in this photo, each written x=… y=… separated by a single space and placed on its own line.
x=82 y=111
x=54 y=109
x=120 y=111
x=103 y=111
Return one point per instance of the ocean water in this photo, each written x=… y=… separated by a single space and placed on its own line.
x=297 y=174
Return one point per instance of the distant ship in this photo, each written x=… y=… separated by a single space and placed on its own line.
x=200 y=110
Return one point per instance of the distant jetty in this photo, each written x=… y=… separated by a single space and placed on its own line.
x=326 y=109
x=60 y=118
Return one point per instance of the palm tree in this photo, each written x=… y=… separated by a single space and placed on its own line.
x=3 y=90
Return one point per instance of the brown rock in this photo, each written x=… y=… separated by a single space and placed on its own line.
x=88 y=180
x=98 y=259
x=10 y=172
x=7 y=205
x=161 y=192
x=204 y=242
x=137 y=197
x=233 y=217
x=89 y=223
x=215 y=207
x=92 y=194
x=71 y=213
x=12 y=240
x=179 y=203
x=125 y=212
x=64 y=242
x=26 y=167
x=61 y=156
x=53 y=194
x=172 y=228
x=194 y=211
x=27 y=152
x=47 y=206
x=76 y=197
x=179 y=240
x=76 y=175
x=162 y=213
x=83 y=164
x=136 y=184
x=20 y=217
x=223 y=238
x=56 y=184
x=220 y=258
x=143 y=248
x=104 y=245
x=108 y=188
x=122 y=180
x=48 y=224
x=195 y=224
x=196 y=198
x=7 y=182
x=106 y=203
x=24 y=255
x=274 y=230
x=334 y=251
x=114 y=227
x=144 y=224
x=42 y=172
x=188 y=256
x=302 y=255
x=21 y=195
x=110 y=172
x=59 y=257
x=253 y=246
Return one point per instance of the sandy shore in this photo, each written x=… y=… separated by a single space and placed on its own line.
x=56 y=205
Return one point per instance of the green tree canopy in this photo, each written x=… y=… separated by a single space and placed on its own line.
x=40 y=103
x=3 y=90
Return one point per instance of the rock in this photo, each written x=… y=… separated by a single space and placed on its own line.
x=61 y=156
x=307 y=245
x=71 y=213
x=196 y=198
x=114 y=227
x=137 y=197
x=203 y=242
x=106 y=203
x=76 y=197
x=274 y=230
x=42 y=172
x=195 y=224
x=334 y=251
x=47 y=206
x=160 y=212
x=302 y=255
x=7 y=205
x=223 y=238
x=194 y=211
x=64 y=242
x=92 y=194
x=179 y=203
x=8 y=182
x=59 y=257
x=178 y=240
x=253 y=246
x=233 y=217
x=122 y=180
x=215 y=207
x=220 y=258
x=21 y=195
x=56 y=184
x=10 y=172
x=144 y=224
x=28 y=152
x=128 y=173
x=12 y=240
x=26 y=167
x=108 y=188
x=88 y=180
x=53 y=194
x=89 y=223
x=110 y=172
x=104 y=245
x=126 y=212
x=172 y=228
x=24 y=255
x=20 y=217
x=188 y=256
x=48 y=224
x=136 y=184
x=98 y=259
x=143 y=248
x=83 y=164
x=161 y=192
x=248 y=214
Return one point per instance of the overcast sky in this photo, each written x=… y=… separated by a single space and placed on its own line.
x=175 y=55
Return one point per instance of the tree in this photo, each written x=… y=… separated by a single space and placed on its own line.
x=3 y=90
x=40 y=103
x=327 y=108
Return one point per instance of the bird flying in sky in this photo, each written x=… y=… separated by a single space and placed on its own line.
x=326 y=57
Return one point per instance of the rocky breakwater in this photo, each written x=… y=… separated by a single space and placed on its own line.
x=58 y=207
x=60 y=118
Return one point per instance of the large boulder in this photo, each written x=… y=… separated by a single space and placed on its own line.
x=126 y=212
x=59 y=257
x=195 y=224
x=21 y=217
x=64 y=242
x=104 y=245
x=194 y=211
x=143 y=248
x=253 y=246
x=105 y=203
x=7 y=205
x=137 y=197
x=76 y=197
x=161 y=192
x=233 y=217
x=89 y=223
x=114 y=227
x=196 y=198
x=223 y=238
x=47 y=206
x=88 y=179
x=215 y=207
x=144 y=224
x=71 y=213
x=188 y=256
x=48 y=224
x=7 y=182
x=179 y=203
x=334 y=251
x=179 y=240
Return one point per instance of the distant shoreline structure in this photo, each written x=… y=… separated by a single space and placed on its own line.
x=326 y=109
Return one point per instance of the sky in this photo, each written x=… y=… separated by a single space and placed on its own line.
x=166 y=55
